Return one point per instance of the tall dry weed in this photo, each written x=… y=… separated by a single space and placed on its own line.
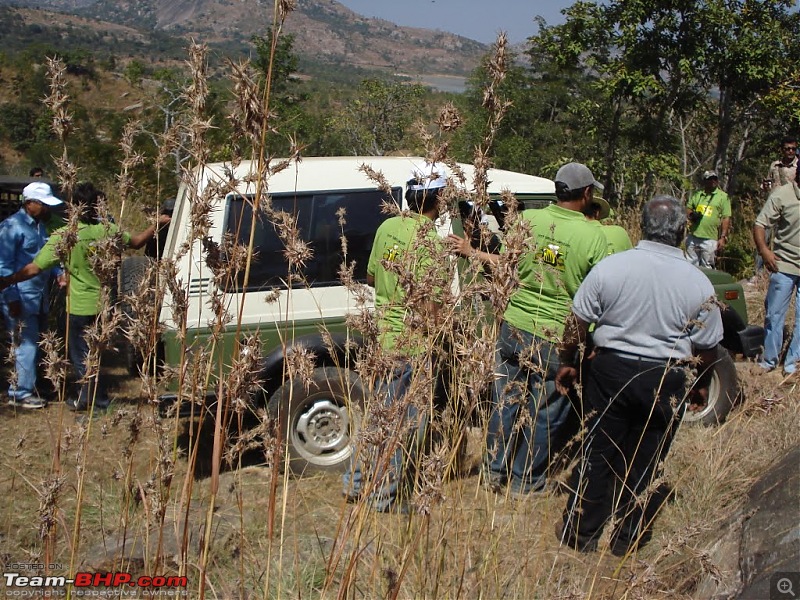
x=461 y=542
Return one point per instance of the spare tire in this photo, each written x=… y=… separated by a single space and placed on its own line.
x=724 y=392
x=132 y=272
x=318 y=423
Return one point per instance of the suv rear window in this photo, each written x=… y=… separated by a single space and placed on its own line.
x=318 y=225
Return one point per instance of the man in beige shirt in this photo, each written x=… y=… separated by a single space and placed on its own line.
x=781 y=213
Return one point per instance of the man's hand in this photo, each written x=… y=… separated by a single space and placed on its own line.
x=15 y=309
x=698 y=399
x=163 y=220
x=460 y=245
x=721 y=242
x=62 y=280
x=4 y=283
x=565 y=378
x=770 y=261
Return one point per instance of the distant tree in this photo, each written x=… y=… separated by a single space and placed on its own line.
x=287 y=93
x=17 y=125
x=659 y=65
x=134 y=72
x=377 y=120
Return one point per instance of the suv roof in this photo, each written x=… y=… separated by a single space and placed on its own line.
x=342 y=172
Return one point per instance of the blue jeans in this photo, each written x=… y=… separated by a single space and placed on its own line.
x=94 y=389
x=389 y=475
x=26 y=351
x=519 y=453
x=779 y=294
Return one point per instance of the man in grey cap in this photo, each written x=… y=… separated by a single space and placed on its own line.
x=564 y=248
x=25 y=305
x=709 y=212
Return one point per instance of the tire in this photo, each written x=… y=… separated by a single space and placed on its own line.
x=724 y=393
x=319 y=423
x=131 y=276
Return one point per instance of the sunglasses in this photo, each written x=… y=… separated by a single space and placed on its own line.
x=789 y=148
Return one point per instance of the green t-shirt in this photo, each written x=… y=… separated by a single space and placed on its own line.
x=396 y=241
x=84 y=286
x=567 y=247
x=617 y=238
x=714 y=207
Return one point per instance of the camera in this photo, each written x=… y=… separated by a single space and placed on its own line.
x=695 y=216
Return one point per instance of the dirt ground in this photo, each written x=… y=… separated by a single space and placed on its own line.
x=300 y=542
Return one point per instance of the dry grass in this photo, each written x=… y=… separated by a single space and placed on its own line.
x=134 y=491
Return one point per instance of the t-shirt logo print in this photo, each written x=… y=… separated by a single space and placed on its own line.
x=707 y=210
x=391 y=254
x=551 y=255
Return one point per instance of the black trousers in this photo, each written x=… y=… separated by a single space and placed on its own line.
x=634 y=408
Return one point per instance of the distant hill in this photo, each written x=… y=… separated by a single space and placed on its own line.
x=326 y=32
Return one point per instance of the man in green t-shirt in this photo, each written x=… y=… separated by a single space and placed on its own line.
x=402 y=259
x=709 y=213
x=565 y=247
x=617 y=238
x=83 y=285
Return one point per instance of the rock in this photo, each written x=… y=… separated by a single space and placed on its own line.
x=761 y=542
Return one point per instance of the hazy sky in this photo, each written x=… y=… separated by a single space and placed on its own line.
x=476 y=19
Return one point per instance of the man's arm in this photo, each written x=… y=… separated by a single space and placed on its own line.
x=140 y=239
x=9 y=243
x=576 y=331
x=27 y=272
x=463 y=247
x=725 y=226
x=760 y=239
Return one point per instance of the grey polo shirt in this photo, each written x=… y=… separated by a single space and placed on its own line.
x=650 y=302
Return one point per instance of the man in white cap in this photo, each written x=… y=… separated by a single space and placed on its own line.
x=521 y=447
x=709 y=212
x=402 y=248
x=26 y=304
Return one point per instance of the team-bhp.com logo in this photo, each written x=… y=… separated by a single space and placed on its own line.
x=114 y=584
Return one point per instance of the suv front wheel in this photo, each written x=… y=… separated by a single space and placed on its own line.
x=319 y=420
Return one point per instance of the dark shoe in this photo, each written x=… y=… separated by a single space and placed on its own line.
x=567 y=538
x=73 y=405
x=351 y=498
x=492 y=481
x=396 y=508
x=28 y=402
x=621 y=547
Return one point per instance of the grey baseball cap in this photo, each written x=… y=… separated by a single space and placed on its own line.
x=576 y=176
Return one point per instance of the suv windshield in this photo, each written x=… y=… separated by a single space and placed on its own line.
x=318 y=224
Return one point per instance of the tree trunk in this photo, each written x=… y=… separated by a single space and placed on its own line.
x=725 y=123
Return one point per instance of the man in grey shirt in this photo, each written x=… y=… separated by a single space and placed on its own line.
x=653 y=311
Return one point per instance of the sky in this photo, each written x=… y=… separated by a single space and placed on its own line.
x=479 y=20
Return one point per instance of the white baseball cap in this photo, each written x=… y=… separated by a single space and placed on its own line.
x=430 y=176
x=40 y=192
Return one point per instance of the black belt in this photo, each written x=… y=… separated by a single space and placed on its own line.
x=631 y=356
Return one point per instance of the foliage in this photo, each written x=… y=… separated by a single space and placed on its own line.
x=656 y=64
x=377 y=120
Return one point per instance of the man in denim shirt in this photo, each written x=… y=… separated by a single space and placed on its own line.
x=25 y=305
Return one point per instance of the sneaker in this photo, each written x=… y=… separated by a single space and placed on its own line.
x=28 y=402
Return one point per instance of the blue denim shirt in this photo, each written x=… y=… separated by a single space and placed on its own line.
x=21 y=238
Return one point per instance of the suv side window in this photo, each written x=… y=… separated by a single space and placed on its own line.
x=318 y=225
